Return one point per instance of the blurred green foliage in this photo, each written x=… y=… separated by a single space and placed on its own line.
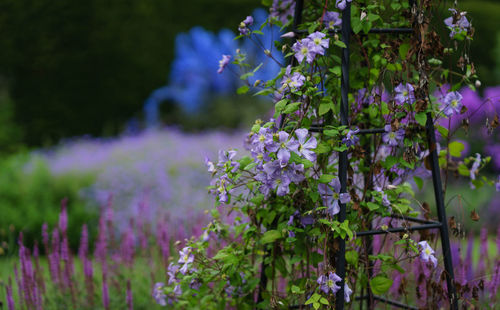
x=30 y=196
x=485 y=49
x=85 y=67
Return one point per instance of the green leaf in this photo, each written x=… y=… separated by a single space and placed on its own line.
x=434 y=61
x=390 y=161
x=292 y=107
x=324 y=108
x=264 y=92
x=330 y=132
x=455 y=148
x=372 y=206
x=418 y=181
x=243 y=90
x=270 y=236
x=324 y=301
x=403 y=50
x=380 y=285
x=443 y=131
x=280 y=105
x=352 y=258
x=326 y=178
x=340 y=44
x=296 y=289
x=421 y=118
x=323 y=147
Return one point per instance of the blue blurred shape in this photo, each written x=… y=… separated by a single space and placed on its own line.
x=194 y=78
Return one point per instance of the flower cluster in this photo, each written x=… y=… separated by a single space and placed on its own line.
x=309 y=47
x=328 y=284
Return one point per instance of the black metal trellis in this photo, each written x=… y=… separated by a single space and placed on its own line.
x=441 y=224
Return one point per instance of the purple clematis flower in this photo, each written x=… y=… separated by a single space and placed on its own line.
x=427 y=253
x=332 y=19
x=329 y=283
x=293 y=81
x=306 y=146
x=304 y=49
x=341 y=4
x=457 y=23
x=351 y=139
x=393 y=138
x=221 y=188
x=497 y=184
x=210 y=165
x=319 y=44
x=475 y=169
x=177 y=290
x=404 y=93
x=171 y=272
x=452 y=103
x=347 y=293
x=261 y=140
x=195 y=284
x=331 y=196
x=159 y=294
x=226 y=161
x=223 y=63
x=186 y=258
x=283 y=147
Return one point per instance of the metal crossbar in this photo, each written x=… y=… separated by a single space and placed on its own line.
x=441 y=224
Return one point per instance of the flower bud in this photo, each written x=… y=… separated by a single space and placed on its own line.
x=477 y=83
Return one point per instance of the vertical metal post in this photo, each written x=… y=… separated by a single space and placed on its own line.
x=343 y=161
x=438 y=193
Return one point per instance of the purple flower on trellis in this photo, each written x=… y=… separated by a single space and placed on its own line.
x=283 y=147
x=319 y=44
x=159 y=294
x=292 y=81
x=393 y=138
x=262 y=139
x=329 y=283
x=304 y=49
x=332 y=19
x=404 y=93
x=351 y=138
x=452 y=103
x=427 y=253
x=331 y=196
x=341 y=4
x=279 y=175
x=306 y=146
x=457 y=23
x=223 y=63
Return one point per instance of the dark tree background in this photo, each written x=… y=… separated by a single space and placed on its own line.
x=70 y=68
x=86 y=67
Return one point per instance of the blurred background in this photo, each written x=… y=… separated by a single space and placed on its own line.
x=118 y=102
